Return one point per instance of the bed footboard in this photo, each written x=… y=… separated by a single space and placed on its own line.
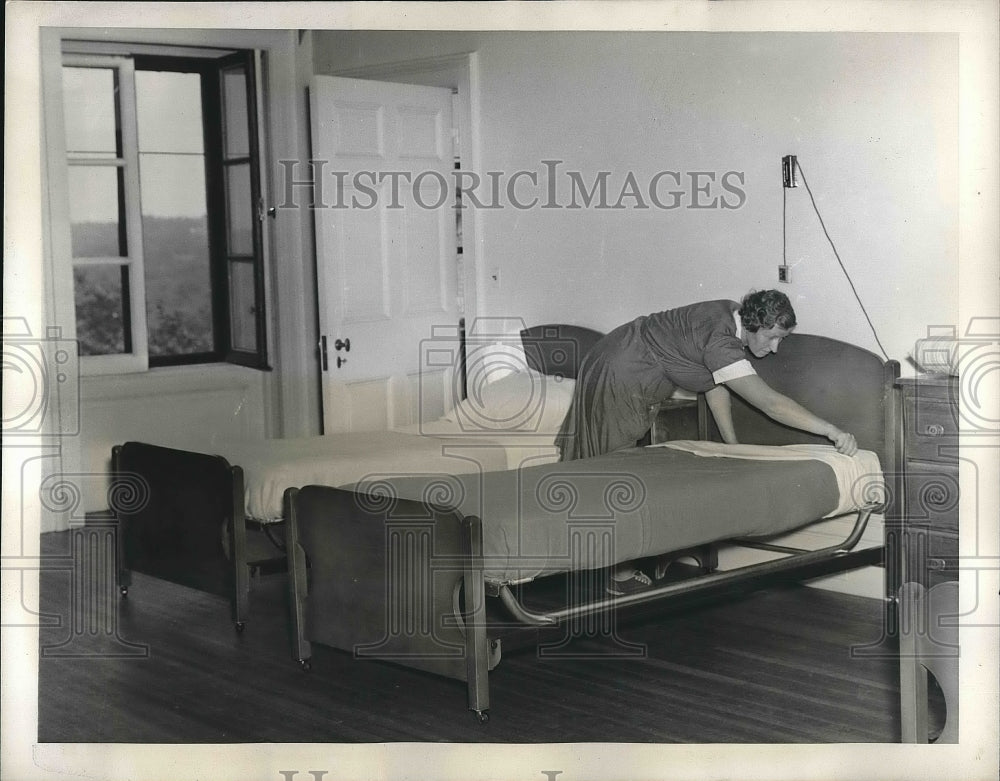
x=402 y=581
x=389 y=579
x=189 y=528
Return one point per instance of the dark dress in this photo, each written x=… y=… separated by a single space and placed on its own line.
x=638 y=365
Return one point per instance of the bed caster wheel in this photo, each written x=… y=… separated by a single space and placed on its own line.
x=240 y=626
x=124 y=591
x=305 y=665
x=482 y=716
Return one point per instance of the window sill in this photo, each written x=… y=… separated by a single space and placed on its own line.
x=163 y=380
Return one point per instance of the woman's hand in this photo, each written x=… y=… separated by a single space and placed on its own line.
x=844 y=442
x=785 y=410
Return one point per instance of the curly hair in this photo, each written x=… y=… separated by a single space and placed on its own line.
x=766 y=309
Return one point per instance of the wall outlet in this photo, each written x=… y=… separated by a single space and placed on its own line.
x=784 y=273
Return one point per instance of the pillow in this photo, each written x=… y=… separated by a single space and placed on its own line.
x=526 y=402
x=490 y=362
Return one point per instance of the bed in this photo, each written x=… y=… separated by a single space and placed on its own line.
x=184 y=515
x=407 y=569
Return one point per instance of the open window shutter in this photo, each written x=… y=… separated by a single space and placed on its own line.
x=241 y=236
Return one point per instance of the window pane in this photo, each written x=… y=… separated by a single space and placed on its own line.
x=172 y=187
x=178 y=285
x=102 y=315
x=174 y=213
x=240 y=209
x=90 y=112
x=97 y=224
x=243 y=312
x=171 y=149
x=168 y=111
x=234 y=96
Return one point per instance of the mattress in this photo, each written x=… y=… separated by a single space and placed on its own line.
x=591 y=513
x=270 y=466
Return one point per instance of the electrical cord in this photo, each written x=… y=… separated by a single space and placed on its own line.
x=837 y=256
x=784 y=226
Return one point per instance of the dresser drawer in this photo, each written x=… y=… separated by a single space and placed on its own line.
x=927 y=547
x=931 y=494
x=931 y=558
x=930 y=425
x=942 y=559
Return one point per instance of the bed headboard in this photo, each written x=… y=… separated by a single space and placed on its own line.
x=844 y=384
x=558 y=349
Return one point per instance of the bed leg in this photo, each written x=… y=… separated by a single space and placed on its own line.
x=238 y=545
x=124 y=574
x=708 y=557
x=124 y=581
x=298 y=586
x=474 y=610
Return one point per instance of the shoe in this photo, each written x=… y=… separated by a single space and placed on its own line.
x=636 y=582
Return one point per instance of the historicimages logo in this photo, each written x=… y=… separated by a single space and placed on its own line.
x=550 y=185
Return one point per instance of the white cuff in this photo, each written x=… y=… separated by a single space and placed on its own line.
x=733 y=371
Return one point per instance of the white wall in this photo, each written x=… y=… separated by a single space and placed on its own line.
x=872 y=118
x=191 y=407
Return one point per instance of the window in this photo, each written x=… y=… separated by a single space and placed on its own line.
x=164 y=209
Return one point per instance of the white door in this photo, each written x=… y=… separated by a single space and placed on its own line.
x=386 y=247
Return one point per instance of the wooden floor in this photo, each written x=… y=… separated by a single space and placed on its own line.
x=166 y=666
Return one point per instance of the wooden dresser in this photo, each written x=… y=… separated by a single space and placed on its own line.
x=927 y=523
x=928 y=483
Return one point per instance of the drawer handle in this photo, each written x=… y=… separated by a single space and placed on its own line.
x=935 y=564
x=934 y=430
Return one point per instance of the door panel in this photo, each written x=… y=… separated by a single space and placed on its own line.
x=386 y=244
x=369 y=400
x=429 y=248
x=363 y=262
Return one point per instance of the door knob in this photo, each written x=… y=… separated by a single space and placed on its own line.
x=340 y=361
x=342 y=344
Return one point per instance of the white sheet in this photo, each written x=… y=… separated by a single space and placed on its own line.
x=270 y=466
x=859 y=477
x=520 y=449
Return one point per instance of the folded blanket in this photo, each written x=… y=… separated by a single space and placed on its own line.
x=859 y=477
